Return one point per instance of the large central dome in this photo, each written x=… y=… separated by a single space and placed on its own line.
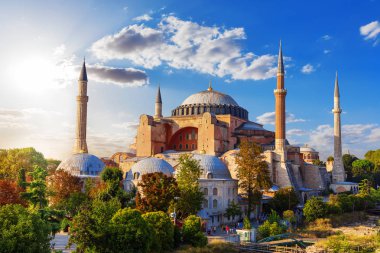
x=210 y=101
x=210 y=97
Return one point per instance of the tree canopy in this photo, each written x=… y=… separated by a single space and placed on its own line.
x=284 y=199
x=253 y=173
x=348 y=159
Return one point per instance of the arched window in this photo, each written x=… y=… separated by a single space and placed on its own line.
x=215 y=191
x=180 y=146
x=205 y=203
x=136 y=175
x=214 y=203
x=205 y=191
x=209 y=176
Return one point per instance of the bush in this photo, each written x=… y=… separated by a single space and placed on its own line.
x=274 y=217
x=130 y=232
x=22 y=230
x=264 y=230
x=246 y=223
x=191 y=232
x=213 y=247
x=163 y=228
x=270 y=229
x=320 y=228
x=315 y=208
x=289 y=216
x=351 y=243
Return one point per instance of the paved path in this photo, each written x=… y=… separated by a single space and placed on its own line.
x=60 y=241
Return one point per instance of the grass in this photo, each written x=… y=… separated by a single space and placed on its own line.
x=342 y=243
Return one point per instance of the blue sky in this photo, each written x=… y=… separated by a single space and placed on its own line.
x=132 y=46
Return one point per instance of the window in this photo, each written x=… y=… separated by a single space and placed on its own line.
x=136 y=175
x=205 y=191
x=205 y=203
x=180 y=146
x=162 y=149
x=187 y=146
x=215 y=191
x=229 y=191
x=193 y=146
x=180 y=137
x=214 y=203
x=209 y=176
x=174 y=146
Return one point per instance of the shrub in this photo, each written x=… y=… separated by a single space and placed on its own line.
x=274 y=217
x=320 y=228
x=163 y=228
x=264 y=230
x=246 y=223
x=351 y=243
x=270 y=229
x=315 y=208
x=22 y=230
x=191 y=232
x=213 y=247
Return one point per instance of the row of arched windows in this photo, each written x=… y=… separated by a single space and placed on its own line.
x=214 y=203
x=214 y=191
x=217 y=109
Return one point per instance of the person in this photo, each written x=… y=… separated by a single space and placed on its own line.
x=227 y=229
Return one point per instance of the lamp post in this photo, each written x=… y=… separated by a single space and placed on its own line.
x=174 y=214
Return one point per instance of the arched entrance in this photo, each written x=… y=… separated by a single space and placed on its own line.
x=185 y=139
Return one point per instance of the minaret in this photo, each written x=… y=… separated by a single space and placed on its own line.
x=338 y=173
x=158 y=106
x=82 y=99
x=280 y=94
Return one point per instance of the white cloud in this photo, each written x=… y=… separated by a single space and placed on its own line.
x=326 y=37
x=126 y=125
x=144 y=17
x=371 y=31
x=326 y=51
x=269 y=118
x=21 y=118
x=186 y=45
x=296 y=132
x=307 y=69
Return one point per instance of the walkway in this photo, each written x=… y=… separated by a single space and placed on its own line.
x=60 y=241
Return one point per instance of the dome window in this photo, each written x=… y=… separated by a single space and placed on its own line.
x=209 y=176
x=136 y=175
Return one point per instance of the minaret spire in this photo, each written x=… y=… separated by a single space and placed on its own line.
x=338 y=173
x=82 y=99
x=280 y=94
x=209 y=86
x=158 y=105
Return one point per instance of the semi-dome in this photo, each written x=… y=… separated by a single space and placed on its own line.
x=149 y=165
x=210 y=101
x=82 y=165
x=212 y=167
x=210 y=97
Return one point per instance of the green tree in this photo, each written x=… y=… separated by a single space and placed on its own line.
x=347 y=163
x=374 y=157
x=12 y=160
x=157 y=192
x=284 y=199
x=52 y=165
x=246 y=223
x=192 y=233
x=319 y=162
x=130 y=232
x=363 y=169
x=91 y=228
x=365 y=187
x=330 y=158
x=22 y=231
x=163 y=229
x=252 y=172
x=233 y=210
x=191 y=197
x=270 y=229
x=315 y=208
x=36 y=192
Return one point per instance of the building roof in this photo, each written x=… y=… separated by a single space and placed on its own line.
x=307 y=149
x=212 y=165
x=150 y=165
x=250 y=126
x=210 y=96
x=82 y=165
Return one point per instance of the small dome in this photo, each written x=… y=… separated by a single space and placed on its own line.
x=149 y=165
x=82 y=165
x=210 y=97
x=212 y=167
x=307 y=149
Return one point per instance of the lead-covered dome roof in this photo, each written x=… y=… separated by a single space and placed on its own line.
x=212 y=167
x=149 y=165
x=209 y=97
x=82 y=165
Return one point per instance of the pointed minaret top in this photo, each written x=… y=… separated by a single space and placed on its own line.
x=280 y=66
x=336 y=91
x=209 y=86
x=158 y=97
x=83 y=72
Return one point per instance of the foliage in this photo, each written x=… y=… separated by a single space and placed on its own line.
x=319 y=162
x=362 y=168
x=246 y=223
x=270 y=229
x=36 y=192
x=163 y=229
x=343 y=243
x=111 y=187
x=73 y=203
x=233 y=210
x=374 y=157
x=157 y=192
x=61 y=184
x=22 y=230
x=213 y=247
x=252 y=172
x=187 y=175
x=52 y=165
x=191 y=232
x=12 y=160
x=130 y=232
x=289 y=216
x=347 y=163
x=284 y=199
x=330 y=158
x=91 y=226
x=315 y=208
x=320 y=228
x=10 y=193
x=365 y=187
x=274 y=217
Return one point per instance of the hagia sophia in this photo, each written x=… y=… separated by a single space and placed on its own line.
x=210 y=125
